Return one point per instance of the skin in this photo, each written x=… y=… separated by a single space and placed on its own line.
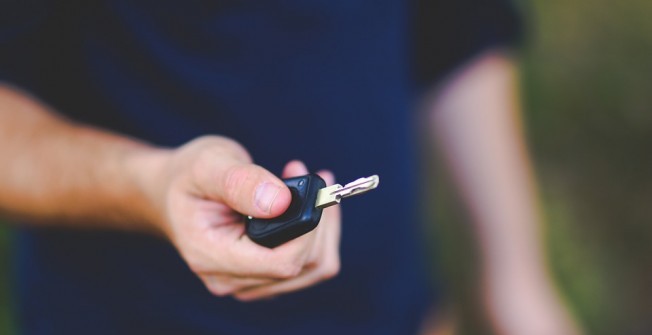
x=191 y=196
x=57 y=173
x=475 y=120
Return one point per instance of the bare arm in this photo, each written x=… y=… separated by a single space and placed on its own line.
x=56 y=172
x=476 y=121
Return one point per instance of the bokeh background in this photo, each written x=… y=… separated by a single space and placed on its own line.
x=587 y=88
x=587 y=91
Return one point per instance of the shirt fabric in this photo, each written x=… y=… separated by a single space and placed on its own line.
x=328 y=82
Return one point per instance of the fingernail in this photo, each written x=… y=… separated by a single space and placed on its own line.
x=265 y=195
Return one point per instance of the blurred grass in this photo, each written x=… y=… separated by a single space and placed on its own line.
x=7 y=322
x=587 y=87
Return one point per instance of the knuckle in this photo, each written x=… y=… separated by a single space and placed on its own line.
x=220 y=290
x=220 y=145
x=234 y=178
x=195 y=262
x=288 y=270
x=196 y=268
x=230 y=147
x=210 y=140
x=242 y=298
x=330 y=270
x=203 y=143
x=245 y=297
x=206 y=139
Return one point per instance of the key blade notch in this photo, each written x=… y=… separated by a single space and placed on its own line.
x=328 y=196
x=359 y=186
x=332 y=195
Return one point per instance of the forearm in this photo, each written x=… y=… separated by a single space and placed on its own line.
x=477 y=123
x=56 y=171
x=477 y=126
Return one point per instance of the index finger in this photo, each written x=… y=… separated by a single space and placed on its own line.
x=284 y=261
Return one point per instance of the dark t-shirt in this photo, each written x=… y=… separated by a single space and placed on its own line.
x=328 y=82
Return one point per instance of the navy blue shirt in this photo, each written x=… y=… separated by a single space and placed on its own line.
x=328 y=82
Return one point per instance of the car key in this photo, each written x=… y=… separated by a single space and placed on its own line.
x=309 y=196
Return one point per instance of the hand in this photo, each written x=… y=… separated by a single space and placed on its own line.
x=204 y=186
x=323 y=260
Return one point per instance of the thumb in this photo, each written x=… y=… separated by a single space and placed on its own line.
x=246 y=188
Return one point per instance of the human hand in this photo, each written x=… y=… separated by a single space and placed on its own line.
x=201 y=191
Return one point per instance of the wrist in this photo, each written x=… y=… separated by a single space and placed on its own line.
x=147 y=170
x=519 y=303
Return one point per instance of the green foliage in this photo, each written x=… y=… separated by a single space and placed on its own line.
x=587 y=90
x=6 y=312
x=587 y=78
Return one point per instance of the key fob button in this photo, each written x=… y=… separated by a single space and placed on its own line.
x=300 y=218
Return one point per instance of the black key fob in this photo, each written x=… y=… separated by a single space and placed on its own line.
x=300 y=218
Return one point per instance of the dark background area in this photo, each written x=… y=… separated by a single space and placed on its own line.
x=587 y=89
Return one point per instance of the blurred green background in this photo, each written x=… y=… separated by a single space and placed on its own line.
x=587 y=86
x=587 y=91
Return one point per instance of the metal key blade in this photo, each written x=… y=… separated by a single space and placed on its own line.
x=358 y=186
x=331 y=195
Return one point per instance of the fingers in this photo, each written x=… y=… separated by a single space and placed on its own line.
x=309 y=278
x=227 y=250
x=323 y=260
x=219 y=171
x=326 y=267
x=222 y=172
x=252 y=190
x=327 y=176
x=297 y=168
x=294 y=168
x=222 y=285
x=284 y=261
x=291 y=259
x=323 y=265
